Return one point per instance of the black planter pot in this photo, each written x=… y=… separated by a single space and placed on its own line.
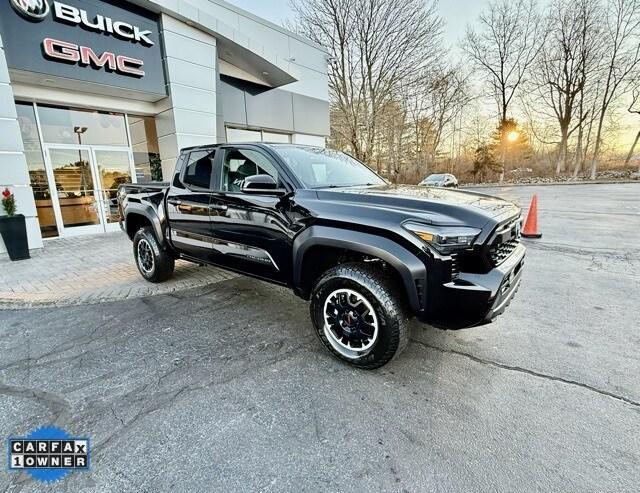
x=14 y=234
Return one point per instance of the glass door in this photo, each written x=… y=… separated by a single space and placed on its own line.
x=113 y=168
x=74 y=189
x=86 y=182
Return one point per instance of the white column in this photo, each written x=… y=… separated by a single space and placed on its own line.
x=13 y=164
x=189 y=117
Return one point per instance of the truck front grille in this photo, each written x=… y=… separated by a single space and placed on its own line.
x=501 y=252
x=505 y=241
x=482 y=259
x=455 y=268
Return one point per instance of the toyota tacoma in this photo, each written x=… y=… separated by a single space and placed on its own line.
x=368 y=255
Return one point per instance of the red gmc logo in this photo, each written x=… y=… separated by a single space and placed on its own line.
x=85 y=56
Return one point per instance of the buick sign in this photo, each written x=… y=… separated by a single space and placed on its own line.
x=39 y=9
x=101 y=23
x=31 y=9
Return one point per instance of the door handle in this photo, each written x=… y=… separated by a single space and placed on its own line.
x=179 y=205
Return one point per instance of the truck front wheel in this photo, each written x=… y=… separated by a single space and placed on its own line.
x=359 y=316
x=154 y=263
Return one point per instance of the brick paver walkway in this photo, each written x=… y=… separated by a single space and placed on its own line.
x=89 y=269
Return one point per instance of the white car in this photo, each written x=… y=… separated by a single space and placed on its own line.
x=446 y=180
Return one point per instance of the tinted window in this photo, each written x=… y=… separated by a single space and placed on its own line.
x=240 y=163
x=198 y=170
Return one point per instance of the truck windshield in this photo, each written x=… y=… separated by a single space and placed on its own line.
x=317 y=167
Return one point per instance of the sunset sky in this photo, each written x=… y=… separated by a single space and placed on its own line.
x=457 y=14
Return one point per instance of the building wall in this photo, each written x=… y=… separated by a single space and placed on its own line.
x=189 y=114
x=303 y=59
x=13 y=165
x=246 y=104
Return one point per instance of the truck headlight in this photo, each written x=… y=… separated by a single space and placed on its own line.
x=445 y=239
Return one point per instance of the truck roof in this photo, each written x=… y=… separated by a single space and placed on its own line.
x=254 y=143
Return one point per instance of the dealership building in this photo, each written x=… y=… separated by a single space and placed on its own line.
x=94 y=93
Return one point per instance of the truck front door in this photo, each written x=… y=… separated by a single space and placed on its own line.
x=251 y=233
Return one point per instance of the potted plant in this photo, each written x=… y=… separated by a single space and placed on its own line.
x=13 y=228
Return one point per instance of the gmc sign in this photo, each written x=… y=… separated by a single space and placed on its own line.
x=69 y=52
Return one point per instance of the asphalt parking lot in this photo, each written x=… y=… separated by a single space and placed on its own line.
x=225 y=388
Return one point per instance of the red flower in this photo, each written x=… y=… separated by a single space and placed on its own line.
x=6 y=193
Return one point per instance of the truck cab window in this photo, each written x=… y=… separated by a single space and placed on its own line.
x=240 y=163
x=198 y=169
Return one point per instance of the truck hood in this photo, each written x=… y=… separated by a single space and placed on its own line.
x=429 y=204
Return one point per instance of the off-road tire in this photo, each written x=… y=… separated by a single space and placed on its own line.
x=163 y=262
x=383 y=292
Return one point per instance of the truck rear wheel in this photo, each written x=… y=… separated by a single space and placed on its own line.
x=358 y=315
x=154 y=263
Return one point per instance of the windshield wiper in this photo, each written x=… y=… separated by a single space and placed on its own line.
x=330 y=186
x=347 y=186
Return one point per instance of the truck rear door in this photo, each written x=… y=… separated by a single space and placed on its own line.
x=188 y=204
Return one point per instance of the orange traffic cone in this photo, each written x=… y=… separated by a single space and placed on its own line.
x=531 y=224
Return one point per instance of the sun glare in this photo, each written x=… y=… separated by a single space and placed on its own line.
x=513 y=136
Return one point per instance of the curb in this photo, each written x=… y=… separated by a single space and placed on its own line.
x=572 y=183
x=40 y=300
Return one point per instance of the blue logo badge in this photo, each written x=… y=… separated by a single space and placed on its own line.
x=48 y=454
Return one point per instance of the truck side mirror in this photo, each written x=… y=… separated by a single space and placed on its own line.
x=261 y=185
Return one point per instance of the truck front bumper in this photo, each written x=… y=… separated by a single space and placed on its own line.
x=476 y=299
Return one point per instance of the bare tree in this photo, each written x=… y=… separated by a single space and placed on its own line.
x=504 y=46
x=622 y=42
x=400 y=104
x=375 y=46
x=565 y=62
x=434 y=101
x=635 y=99
x=447 y=93
x=588 y=115
x=391 y=142
x=590 y=54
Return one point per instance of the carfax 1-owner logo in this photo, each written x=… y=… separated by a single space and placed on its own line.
x=48 y=454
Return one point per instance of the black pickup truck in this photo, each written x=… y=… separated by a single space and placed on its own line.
x=367 y=254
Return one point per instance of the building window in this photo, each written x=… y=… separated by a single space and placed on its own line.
x=76 y=160
x=37 y=170
x=144 y=144
x=276 y=137
x=244 y=135
x=86 y=127
x=310 y=140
